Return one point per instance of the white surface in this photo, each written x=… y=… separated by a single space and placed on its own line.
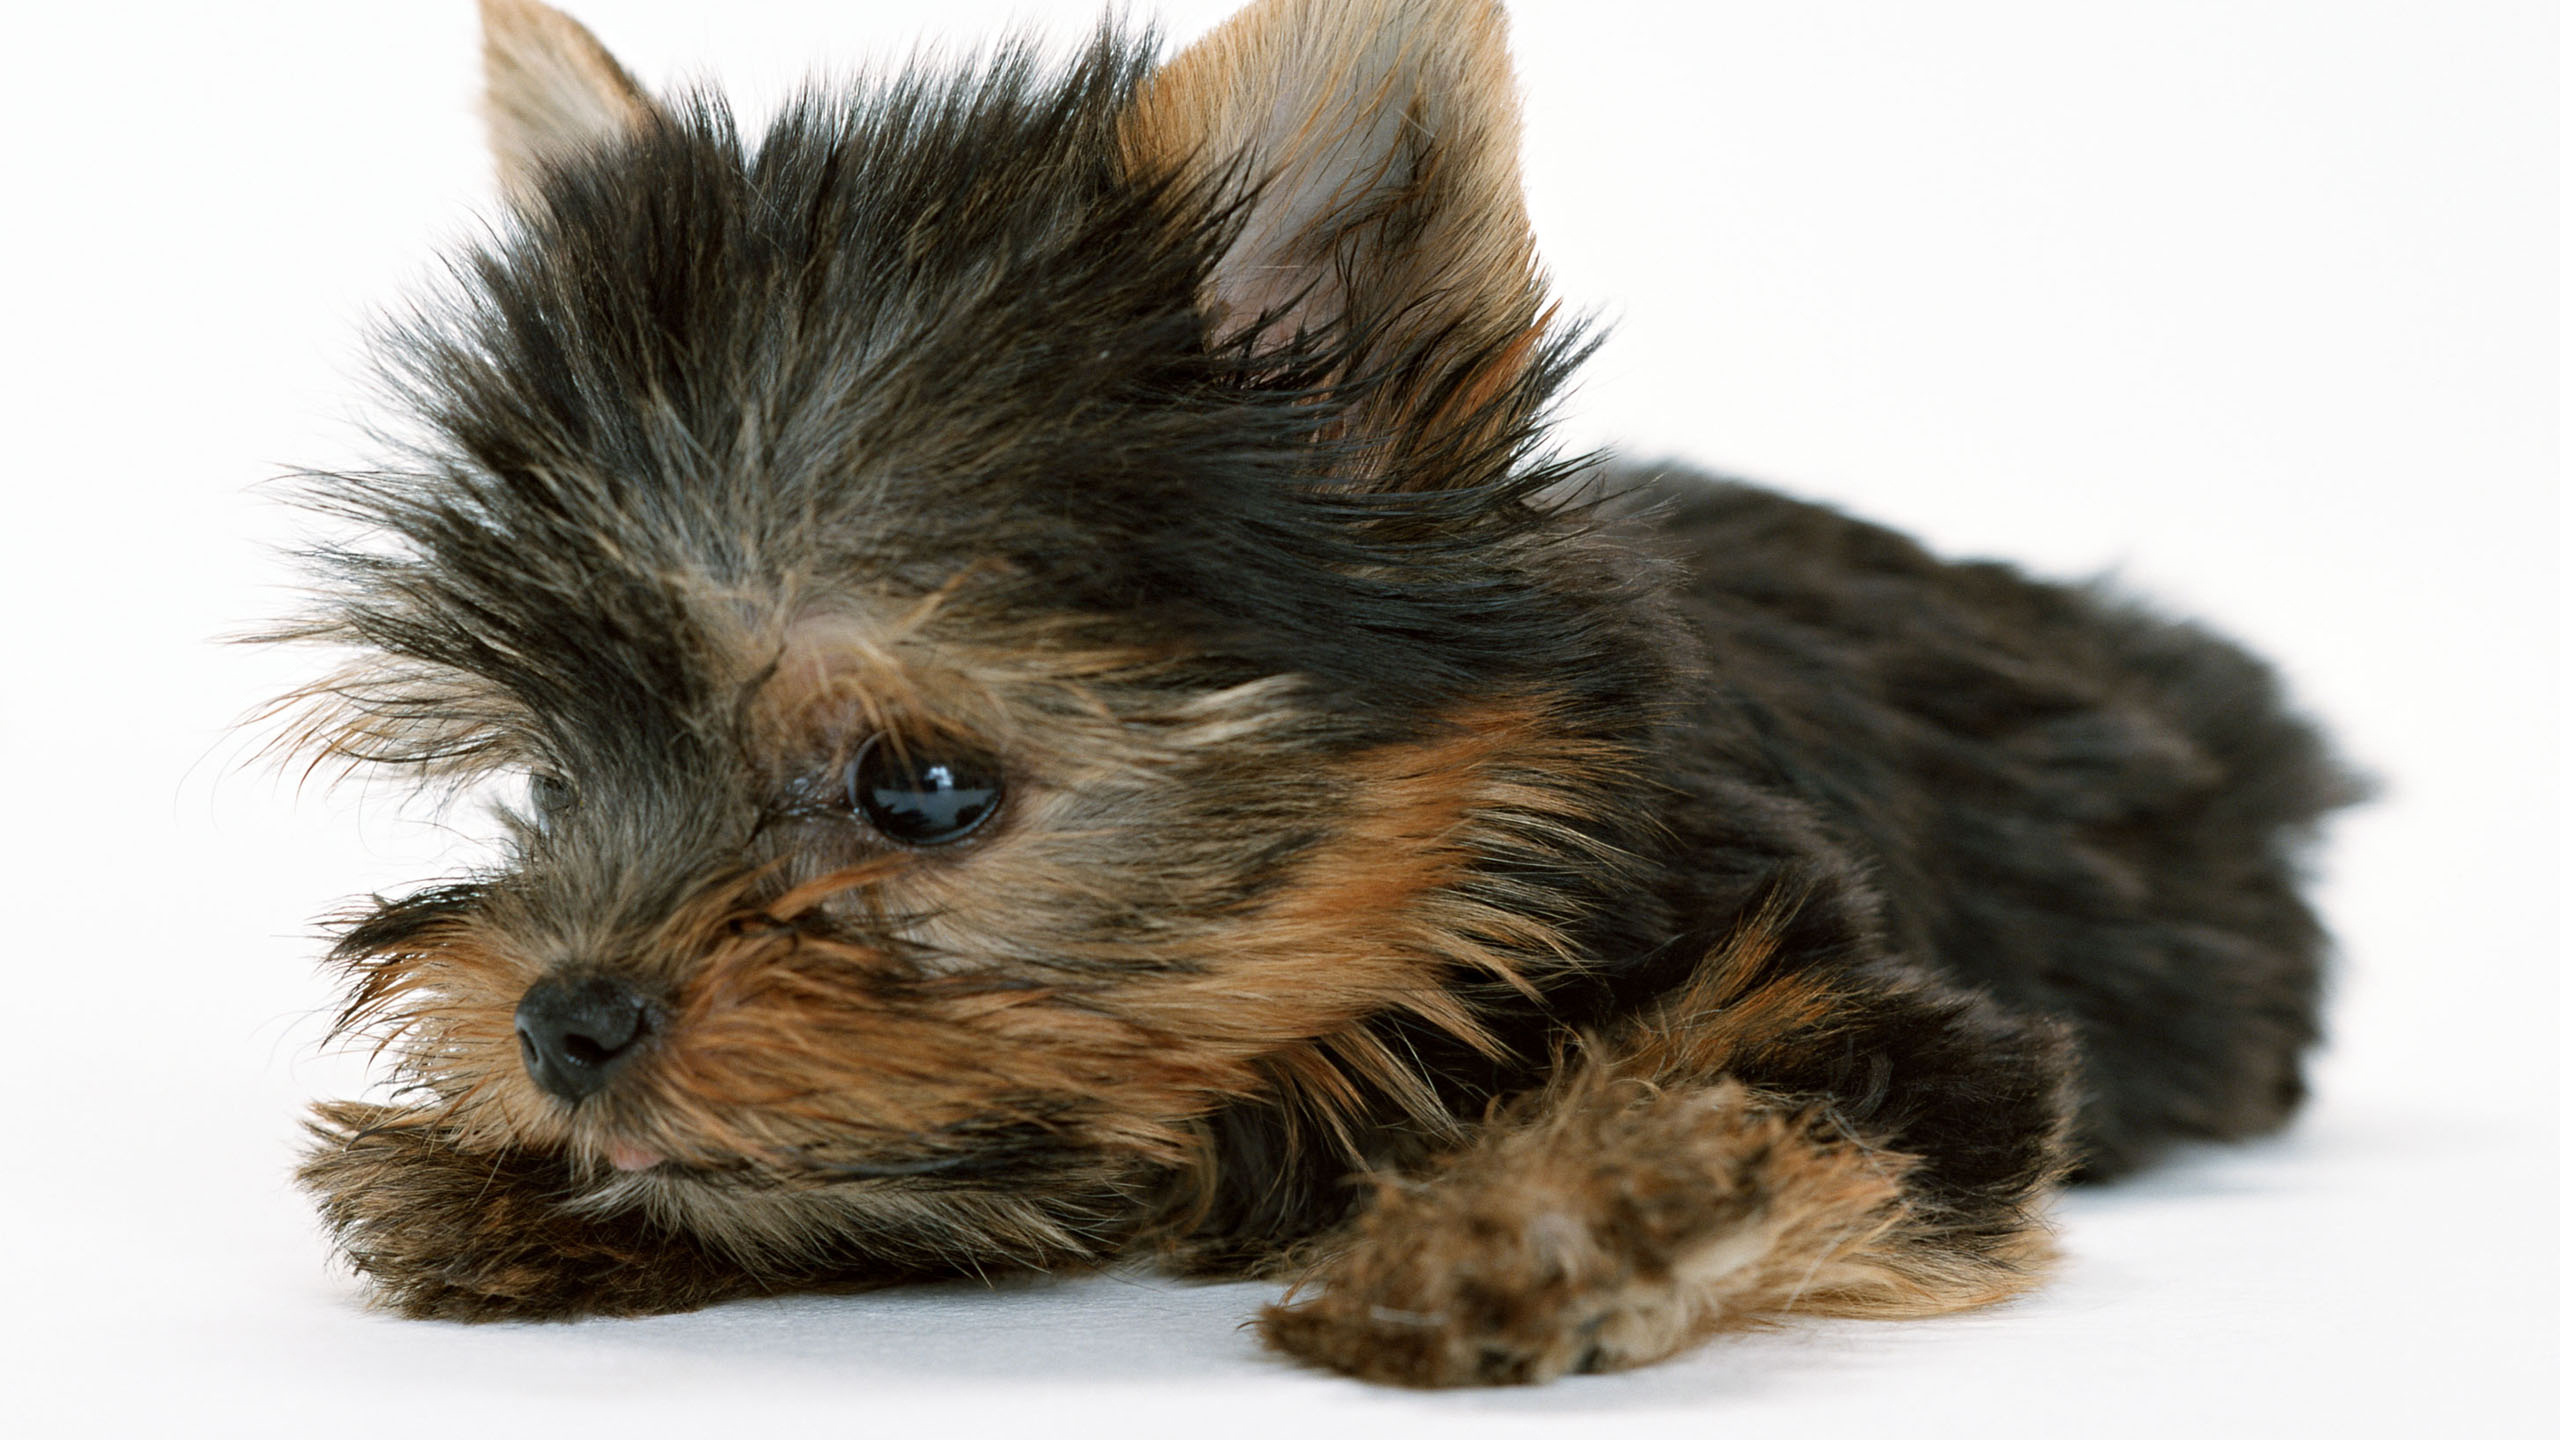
x=2254 y=302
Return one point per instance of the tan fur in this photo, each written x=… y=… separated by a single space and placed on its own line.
x=1375 y=924
x=1380 y=139
x=1643 y=1202
x=553 y=91
x=1734 y=1011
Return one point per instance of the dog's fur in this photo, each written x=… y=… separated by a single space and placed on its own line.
x=1554 y=914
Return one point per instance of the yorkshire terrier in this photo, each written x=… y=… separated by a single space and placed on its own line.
x=1053 y=704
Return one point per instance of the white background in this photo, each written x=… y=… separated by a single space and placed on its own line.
x=2251 y=303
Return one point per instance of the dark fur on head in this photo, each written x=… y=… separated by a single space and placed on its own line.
x=1376 y=800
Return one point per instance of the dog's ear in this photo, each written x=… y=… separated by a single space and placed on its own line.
x=553 y=92
x=1380 y=141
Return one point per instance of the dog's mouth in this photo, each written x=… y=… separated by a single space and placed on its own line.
x=632 y=1159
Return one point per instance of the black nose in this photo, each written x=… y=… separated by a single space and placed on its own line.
x=576 y=1033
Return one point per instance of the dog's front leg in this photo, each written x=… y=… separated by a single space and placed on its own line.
x=1623 y=1215
x=455 y=1234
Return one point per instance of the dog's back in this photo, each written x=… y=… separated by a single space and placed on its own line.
x=2086 y=810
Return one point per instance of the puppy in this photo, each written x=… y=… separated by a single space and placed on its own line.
x=1055 y=707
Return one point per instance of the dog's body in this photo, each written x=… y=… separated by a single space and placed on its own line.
x=1068 y=718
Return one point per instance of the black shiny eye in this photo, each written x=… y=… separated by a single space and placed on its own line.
x=923 y=793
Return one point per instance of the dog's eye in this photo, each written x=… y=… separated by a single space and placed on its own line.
x=550 y=794
x=923 y=793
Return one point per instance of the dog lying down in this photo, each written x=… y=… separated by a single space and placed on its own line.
x=1059 y=710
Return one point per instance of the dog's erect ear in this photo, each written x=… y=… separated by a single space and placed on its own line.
x=553 y=92
x=1381 y=138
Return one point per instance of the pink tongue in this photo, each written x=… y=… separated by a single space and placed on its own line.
x=631 y=1157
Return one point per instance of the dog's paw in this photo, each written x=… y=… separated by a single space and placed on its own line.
x=1443 y=1286
x=1607 y=1231
x=450 y=1234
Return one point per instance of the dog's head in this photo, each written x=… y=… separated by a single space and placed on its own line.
x=1024 y=602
